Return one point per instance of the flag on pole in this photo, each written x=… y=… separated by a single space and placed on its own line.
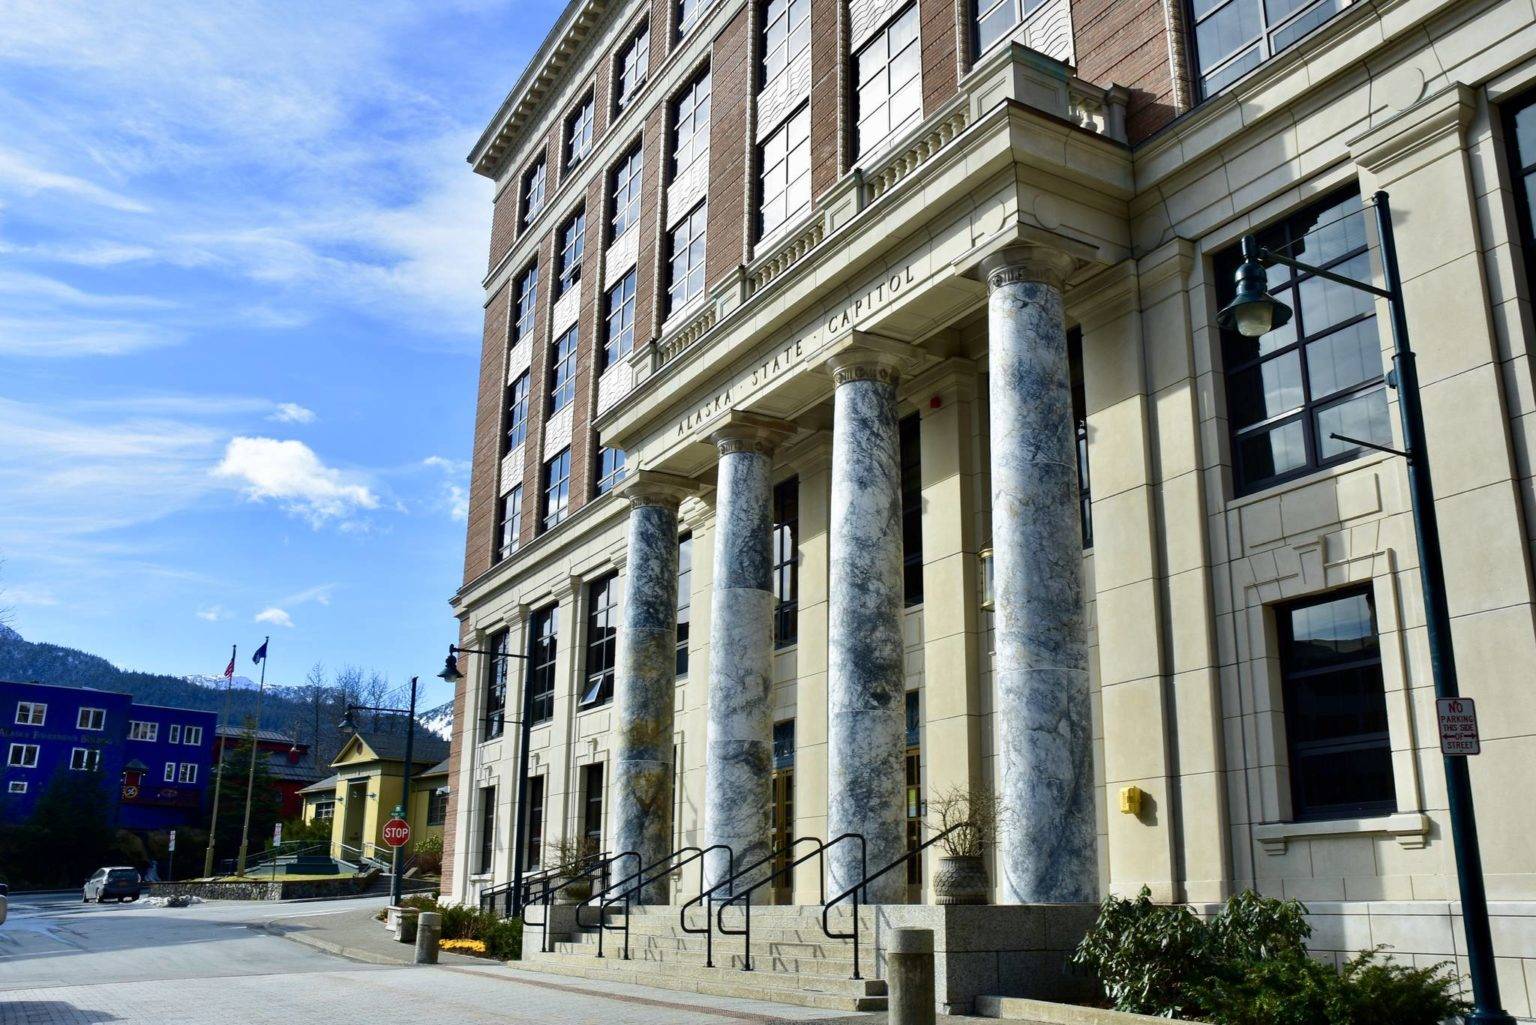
x=229 y=670
x=261 y=653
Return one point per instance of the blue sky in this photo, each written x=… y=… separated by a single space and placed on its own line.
x=240 y=255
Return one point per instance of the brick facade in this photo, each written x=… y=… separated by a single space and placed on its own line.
x=731 y=82
x=1126 y=42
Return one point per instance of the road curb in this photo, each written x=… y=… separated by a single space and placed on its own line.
x=350 y=953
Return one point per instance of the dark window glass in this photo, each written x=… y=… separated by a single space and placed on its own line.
x=578 y=133
x=543 y=645
x=1335 y=709
x=437 y=807
x=573 y=243
x=495 y=715
x=686 y=259
x=784 y=173
x=995 y=19
x=620 y=336
x=889 y=92
x=914 y=793
x=533 y=851
x=684 y=599
x=786 y=564
x=557 y=489
x=527 y=303
x=1232 y=37
x=784 y=744
x=634 y=64
x=509 y=515
x=487 y=828
x=1080 y=421
x=626 y=192
x=535 y=180
x=690 y=125
x=562 y=370
x=1289 y=390
x=912 y=509
x=786 y=34
x=517 y=412
x=602 y=634
x=610 y=468
x=592 y=806
x=1520 y=137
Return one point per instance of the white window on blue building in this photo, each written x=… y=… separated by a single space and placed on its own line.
x=91 y=719
x=149 y=731
x=22 y=756
x=188 y=773
x=17 y=786
x=31 y=713
x=85 y=759
x=170 y=772
x=193 y=735
x=175 y=733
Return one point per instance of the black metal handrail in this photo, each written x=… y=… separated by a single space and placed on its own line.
x=744 y=897
x=858 y=888
x=707 y=898
x=648 y=874
x=599 y=867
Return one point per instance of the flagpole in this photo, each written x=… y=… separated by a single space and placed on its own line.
x=218 y=777
x=250 y=779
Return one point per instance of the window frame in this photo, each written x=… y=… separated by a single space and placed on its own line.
x=509 y=514
x=22 y=747
x=610 y=469
x=1262 y=43
x=1520 y=173
x=173 y=733
x=486 y=862
x=192 y=735
x=515 y=425
x=684 y=618
x=82 y=721
x=580 y=125
x=169 y=773
x=893 y=129
x=562 y=368
x=1023 y=11
x=543 y=655
x=593 y=787
x=619 y=321
x=533 y=824
x=769 y=65
x=626 y=188
x=186 y=772
x=493 y=688
x=16 y=786
x=770 y=174
x=437 y=807
x=35 y=709
x=697 y=99
x=573 y=248
x=784 y=563
x=143 y=731
x=535 y=189
x=638 y=46
x=555 y=502
x=602 y=605
x=90 y=763
x=696 y=218
x=527 y=306
x=910 y=458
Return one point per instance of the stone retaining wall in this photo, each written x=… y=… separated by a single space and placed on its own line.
x=260 y=889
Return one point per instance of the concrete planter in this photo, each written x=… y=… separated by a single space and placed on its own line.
x=962 y=880
x=574 y=893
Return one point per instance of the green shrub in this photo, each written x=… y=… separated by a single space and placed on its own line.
x=503 y=937
x=1249 y=965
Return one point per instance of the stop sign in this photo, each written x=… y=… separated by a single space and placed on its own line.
x=397 y=832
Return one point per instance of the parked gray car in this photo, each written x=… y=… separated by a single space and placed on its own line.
x=107 y=883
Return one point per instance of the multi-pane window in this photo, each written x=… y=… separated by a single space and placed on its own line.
x=534 y=822
x=687 y=11
x=174 y=733
x=684 y=599
x=592 y=806
x=193 y=736
x=685 y=255
x=85 y=759
x=31 y=713
x=690 y=125
x=1335 y=708
x=487 y=829
x=912 y=509
x=493 y=718
x=578 y=133
x=187 y=773
x=784 y=176
x=626 y=192
x=1080 y=423
x=610 y=468
x=784 y=744
x=1520 y=135
x=437 y=807
x=527 y=303
x=22 y=756
x=543 y=645
x=786 y=566
x=92 y=719
x=562 y=370
x=619 y=337
x=557 y=489
x=786 y=33
x=143 y=730
x=633 y=66
x=509 y=515
x=602 y=640
x=170 y=772
x=573 y=243
x=517 y=412
x=889 y=95
x=535 y=184
x=1290 y=390
x=1232 y=37
x=996 y=18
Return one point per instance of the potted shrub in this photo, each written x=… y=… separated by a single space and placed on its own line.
x=565 y=857
x=967 y=819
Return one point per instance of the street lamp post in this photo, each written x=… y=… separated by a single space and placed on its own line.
x=452 y=675
x=405 y=782
x=1254 y=312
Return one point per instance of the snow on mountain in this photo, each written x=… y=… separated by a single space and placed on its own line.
x=438 y=721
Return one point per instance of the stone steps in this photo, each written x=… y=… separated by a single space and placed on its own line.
x=766 y=957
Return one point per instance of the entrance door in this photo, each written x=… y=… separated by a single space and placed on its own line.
x=914 y=800
x=783 y=809
x=352 y=829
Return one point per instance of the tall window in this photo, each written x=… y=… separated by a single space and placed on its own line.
x=170 y=772
x=92 y=719
x=684 y=599
x=685 y=254
x=687 y=11
x=592 y=806
x=509 y=515
x=786 y=33
x=1232 y=37
x=494 y=717
x=1520 y=136
x=174 y=733
x=690 y=125
x=85 y=759
x=610 y=468
x=535 y=183
x=786 y=568
x=487 y=829
x=889 y=95
x=912 y=509
x=578 y=133
x=633 y=66
x=1289 y=390
x=602 y=639
x=996 y=18
x=543 y=645
x=1080 y=423
x=1335 y=710
x=784 y=176
x=573 y=243
x=619 y=338
x=517 y=412
x=533 y=854
x=562 y=370
x=186 y=774
x=527 y=303
x=437 y=806
x=626 y=191
x=557 y=489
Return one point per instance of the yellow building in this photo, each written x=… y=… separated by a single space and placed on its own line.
x=366 y=789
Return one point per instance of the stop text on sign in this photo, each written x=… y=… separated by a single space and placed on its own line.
x=397 y=832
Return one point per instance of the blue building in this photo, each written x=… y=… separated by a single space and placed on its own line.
x=155 y=760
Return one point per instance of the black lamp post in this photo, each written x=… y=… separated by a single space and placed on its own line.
x=1253 y=312
x=405 y=782
x=452 y=675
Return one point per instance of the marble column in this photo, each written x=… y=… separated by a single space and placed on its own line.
x=645 y=676
x=1040 y=665
x=866 y=716
x=739 y=744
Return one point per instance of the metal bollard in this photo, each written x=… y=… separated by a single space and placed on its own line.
x=429 y=931
x=909 y=974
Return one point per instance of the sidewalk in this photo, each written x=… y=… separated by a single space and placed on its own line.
x=357 y=935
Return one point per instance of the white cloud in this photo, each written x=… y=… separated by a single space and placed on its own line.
x=319 y=594
x=23 y=595
x=275 y=616
x=213 y=613
x=291 y=474
x=292 y=413
x=19 y=175
x=454 y=496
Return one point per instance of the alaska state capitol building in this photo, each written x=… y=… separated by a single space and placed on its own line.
x=854 y=425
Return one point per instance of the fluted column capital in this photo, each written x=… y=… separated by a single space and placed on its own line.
x=653 y=487
x=750 y=432
x=1029 y=263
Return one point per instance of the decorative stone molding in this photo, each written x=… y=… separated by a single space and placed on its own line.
x=687 y=189
x=615 y=383
x=621 y=256
x=566 y=312
x=864 y=367
x=786 y=254
x=866 y=16
x=749 y=432
x=782 y=96
x=1410 y=829
x=939 y=131
x=1035 y=264
x=557 y=432
x=511 y=469
x=652 y=487
x=519 y=358
x=1440 y=118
